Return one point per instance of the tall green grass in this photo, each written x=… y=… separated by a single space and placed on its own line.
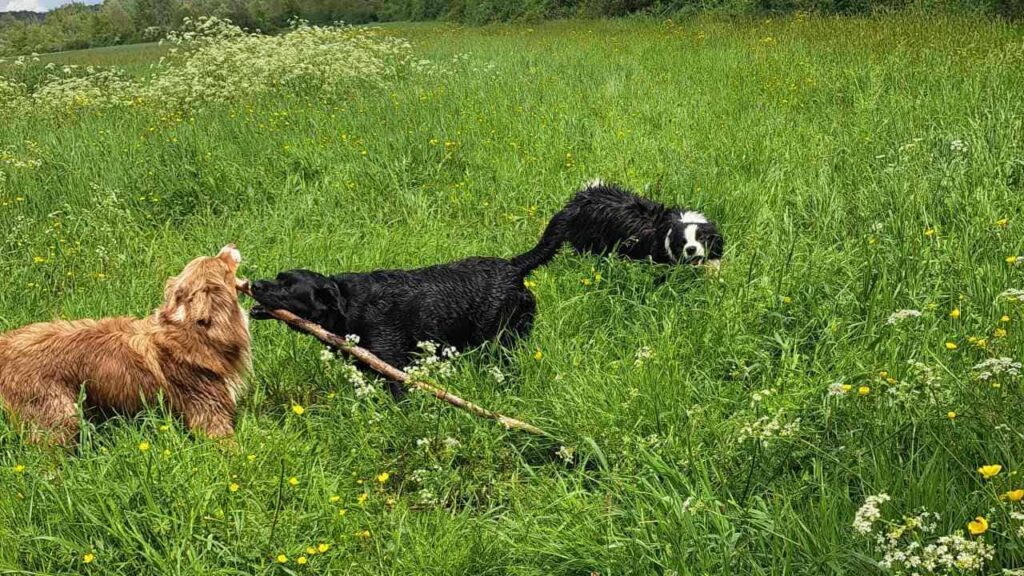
x=822 y=147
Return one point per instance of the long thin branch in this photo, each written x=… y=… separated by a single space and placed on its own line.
x=389 y=371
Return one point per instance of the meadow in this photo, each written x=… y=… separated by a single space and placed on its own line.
x=844 y=398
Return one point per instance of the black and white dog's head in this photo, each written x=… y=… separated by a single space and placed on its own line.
x=693 y=239
x=306 y=294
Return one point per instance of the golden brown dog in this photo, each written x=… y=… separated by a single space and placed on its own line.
x=193 y=350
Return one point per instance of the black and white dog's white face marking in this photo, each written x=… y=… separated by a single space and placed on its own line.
x=693 y=239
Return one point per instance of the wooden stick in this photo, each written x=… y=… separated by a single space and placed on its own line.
x=387 y=370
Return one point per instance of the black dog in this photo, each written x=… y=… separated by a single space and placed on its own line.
x=603 y=218
x=461 y=304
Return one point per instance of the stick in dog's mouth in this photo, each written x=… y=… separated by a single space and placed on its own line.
x=385 y=369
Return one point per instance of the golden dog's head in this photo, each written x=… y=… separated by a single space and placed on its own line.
x=204 y=294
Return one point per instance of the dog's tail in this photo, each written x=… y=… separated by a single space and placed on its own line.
x=546 y=248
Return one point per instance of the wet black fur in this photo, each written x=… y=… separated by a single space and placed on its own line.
x=461 y=304
x=604 y=218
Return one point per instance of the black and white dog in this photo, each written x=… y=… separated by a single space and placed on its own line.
x=461 y=304
x=605 y=218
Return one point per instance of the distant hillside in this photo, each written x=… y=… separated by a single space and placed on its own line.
x=25 y=15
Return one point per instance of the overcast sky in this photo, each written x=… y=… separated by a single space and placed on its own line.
x=38 y=5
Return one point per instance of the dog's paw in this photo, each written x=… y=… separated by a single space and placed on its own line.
x=259 y=312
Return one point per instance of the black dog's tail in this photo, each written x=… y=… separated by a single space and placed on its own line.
x=546 y=248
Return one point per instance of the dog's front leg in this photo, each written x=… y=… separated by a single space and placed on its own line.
x=213 y=420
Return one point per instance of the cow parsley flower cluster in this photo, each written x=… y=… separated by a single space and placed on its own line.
x=213 y=60
x=869 y=513
x=996 y=367
x=901 y=315
x=766 y=429
x=1015 y=294
x=642 y=356
x=363 y=387
x=432 y=365
x=839 y=389
x=908 y=547
x=496 y=374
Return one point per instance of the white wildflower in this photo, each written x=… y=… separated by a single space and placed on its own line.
x=642 y=356
x=360 y=383
x=1013 y=293
x=869 y=513
x=352 y=339
x=996 y=367
x=496 y=374
x=839 y=389
x=901 y=315
x=767 y=428
x=958 y=146
x=566 y=454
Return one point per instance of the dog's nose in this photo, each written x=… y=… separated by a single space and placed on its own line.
x=690 y=250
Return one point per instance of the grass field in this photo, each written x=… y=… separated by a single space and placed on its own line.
x=856 y=167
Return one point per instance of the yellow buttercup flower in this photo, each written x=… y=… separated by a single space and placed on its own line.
x=334 y=499
x=864 y=390
x=883 y=374
x=1014 y=495
x=990 y=470
x=342 y=512
x=298 y=410
x=1003 y=222
x=951 y=346
x=363 y=534
x=323 y=547
x=846 y=387
x=999 y=333
x=282 y=559
x=929 y=232
x=978 y=526
x=538 y=354
x=955 y=313
x=383 y=477
x=1004 y=318
x=232 y=487
x=301 y=560
x=787 y=300
x=88 y=557
x=1011 y=260
x=310 y=550
x=362 y=498
x=19 y=468
x=293 y=481
x=143 y=446
x=951 y=415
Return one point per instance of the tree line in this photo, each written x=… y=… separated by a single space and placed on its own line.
x=128 y=21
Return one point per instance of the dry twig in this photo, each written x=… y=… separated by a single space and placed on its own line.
x=389 y=371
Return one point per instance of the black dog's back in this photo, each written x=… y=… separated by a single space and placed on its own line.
x=603 y=217
x=461 y=304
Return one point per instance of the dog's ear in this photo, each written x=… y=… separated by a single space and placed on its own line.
x=329 y=295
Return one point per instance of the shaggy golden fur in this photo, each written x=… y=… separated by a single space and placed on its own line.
x=193 y=350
